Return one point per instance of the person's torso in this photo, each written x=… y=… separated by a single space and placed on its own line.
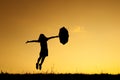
x=43 y=45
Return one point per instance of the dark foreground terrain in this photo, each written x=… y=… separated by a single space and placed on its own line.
x=59 y=77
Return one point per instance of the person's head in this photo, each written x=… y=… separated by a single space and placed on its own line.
x=42 y=37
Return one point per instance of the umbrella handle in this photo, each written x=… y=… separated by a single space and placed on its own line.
x=53 y=37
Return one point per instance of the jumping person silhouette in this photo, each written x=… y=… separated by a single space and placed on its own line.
x=44 y=49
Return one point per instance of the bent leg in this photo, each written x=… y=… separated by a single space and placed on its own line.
x=43 y=58
x=39 y=59
x=38 y=62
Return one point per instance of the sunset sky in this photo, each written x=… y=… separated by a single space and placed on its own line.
x=94 y=29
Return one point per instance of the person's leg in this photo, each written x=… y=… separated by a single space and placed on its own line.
x=38 y=62
x=42 y=60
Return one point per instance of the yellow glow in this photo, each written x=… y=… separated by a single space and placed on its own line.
x=93 y=45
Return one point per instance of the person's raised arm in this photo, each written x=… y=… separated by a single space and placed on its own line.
x=52 y=37
x=32 y=41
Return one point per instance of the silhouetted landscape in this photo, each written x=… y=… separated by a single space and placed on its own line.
x=27 y=76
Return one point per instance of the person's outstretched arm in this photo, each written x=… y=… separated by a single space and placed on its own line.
x=32 y=41
x=52 y=37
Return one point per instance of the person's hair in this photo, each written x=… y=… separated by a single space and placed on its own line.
x=42 y=37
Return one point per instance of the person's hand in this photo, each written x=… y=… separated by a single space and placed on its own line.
x=27 y=42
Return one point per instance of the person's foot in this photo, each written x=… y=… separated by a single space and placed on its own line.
x=36 y=65
x=40 y=66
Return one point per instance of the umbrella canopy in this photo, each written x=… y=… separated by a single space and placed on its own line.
x=63 y=35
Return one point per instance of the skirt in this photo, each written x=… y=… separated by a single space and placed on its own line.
x=44 y=53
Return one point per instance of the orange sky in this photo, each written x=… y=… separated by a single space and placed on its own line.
x=93 y=26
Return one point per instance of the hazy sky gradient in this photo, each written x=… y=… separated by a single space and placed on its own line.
x=94 y=28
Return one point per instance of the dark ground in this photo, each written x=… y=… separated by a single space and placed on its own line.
x=7 y=76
